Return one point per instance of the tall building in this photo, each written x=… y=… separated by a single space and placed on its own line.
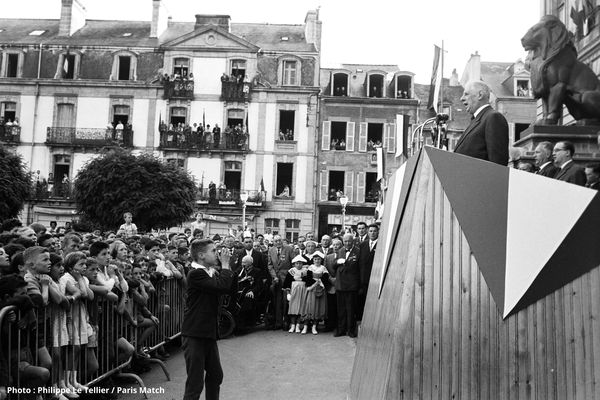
x=362 y=107
x=76 y=85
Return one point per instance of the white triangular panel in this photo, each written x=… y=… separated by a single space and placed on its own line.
x=541 y=212
x=397 y=178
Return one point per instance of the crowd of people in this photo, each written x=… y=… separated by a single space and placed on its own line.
x=203 y=137
x=555 y=160
x=60 y=273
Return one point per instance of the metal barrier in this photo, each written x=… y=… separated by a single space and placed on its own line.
x=31 y=340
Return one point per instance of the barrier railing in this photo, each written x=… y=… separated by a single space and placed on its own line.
x=33 y=359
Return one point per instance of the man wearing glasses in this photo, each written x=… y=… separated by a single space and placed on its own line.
x=563 y=158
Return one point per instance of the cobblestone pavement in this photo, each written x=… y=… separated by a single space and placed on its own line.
x=266 y=365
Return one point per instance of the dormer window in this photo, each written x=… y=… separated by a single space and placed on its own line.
x=124 y=66
x=36 y=33
x=339 y=85
x=522 y=88
x=127 y=34
x=68 y=66
x=375 y=86
x=403 y=87
x=12 y=64
x=285 y=38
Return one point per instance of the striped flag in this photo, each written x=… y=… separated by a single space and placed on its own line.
x=436 y=80
x=203 y=119
x=380 y=163
x=66 y=64
x=401 y=133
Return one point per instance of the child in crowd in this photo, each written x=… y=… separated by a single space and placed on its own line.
x=146 y=322
x=128 y=228
x=295 y=287
x=77 y=290
x=59 y=309
x=316 y=297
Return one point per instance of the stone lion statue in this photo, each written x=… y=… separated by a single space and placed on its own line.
x=557 y=77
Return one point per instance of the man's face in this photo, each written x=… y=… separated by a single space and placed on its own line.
x=325 y=241
x=41 y=265
x=310 y=236
x=337 y=244
x=592 y=177
x=373 y=233
x=209 y=258
x=172 y=254
x=301 y=241
x=228 y=242
x=348 y=242
x=246 y=264
x=361 y=229
x=248 y=243
x=470 y=99
x=278 y=242
x=29 y=234
x=257 y=246
x=102 y=257
x=311 y=247
x=541 y=156
x=561 y=155
x=51 y=244
x=154 y=253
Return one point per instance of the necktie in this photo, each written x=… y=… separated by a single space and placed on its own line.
x=278 y=252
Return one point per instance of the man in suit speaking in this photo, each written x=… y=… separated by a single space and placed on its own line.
x=200 y=321
x=487 y=135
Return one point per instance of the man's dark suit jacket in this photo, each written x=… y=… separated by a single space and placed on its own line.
x=202 y=302
x=279 y=265
x=365 y=262
x=571 y=173
x=549 y=170
x=236 y=260
x=347 y=275
x=595 y=186
x=486 y=137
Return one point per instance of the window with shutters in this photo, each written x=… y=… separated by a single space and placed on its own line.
x=372 y=187
x=292 y=230
x=336 y=185
x=273 y=224
x=338 y=135
x=65 y=115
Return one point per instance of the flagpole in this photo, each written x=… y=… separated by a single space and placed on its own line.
x=441 y=109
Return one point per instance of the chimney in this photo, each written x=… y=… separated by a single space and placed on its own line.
x=454 y=78
x=222 y=21
x=312 y=28
x=72 y=17
x=472 y=71
x=159 y=19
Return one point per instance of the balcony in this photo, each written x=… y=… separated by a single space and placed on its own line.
x=89 y=137
x=49 y=190
x=10 y=134
x=220 y=197
x=179 y=89
x=234 y=91
x=190 y=140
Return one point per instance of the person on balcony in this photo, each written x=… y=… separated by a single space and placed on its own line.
x=224 y=77
x=216 y=135
x=285 y=192
x=119 y=131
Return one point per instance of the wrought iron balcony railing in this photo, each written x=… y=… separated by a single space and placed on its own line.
x=216 y=196
x=179 y=89
x=89 y=136
x=10 y=133
x=49 y=190
x=190 y=140
x=234 y=91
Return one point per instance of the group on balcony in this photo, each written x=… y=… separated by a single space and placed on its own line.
x=119 y=132
x=235 y=87
x=9 y=130
x=203 y=137
x=48 y=188
x=338 y=144
x=287 y=135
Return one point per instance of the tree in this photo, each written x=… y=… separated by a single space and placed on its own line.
x=15 y=184
x=158 y=194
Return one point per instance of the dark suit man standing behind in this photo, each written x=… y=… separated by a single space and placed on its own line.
x=487 y=135
x=236 y=260
x=200 y=321
x=365 y=264
x=563 y=158
x=279 y=260
x=543 y=160
x=592 y=174
x=347 y=282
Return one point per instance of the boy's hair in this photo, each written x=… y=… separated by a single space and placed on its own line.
x=125 y=214
x=30 y=254
x=71 y=237
x=97 y=247
x=37 y=227
x=15 y=261
x=92 y=262
x=13 y=248
x=73 y=258
x=199 y=246
x=55 y=259
x=171 y=247
x=150 y=244
x=171 y=235
x=9 y=285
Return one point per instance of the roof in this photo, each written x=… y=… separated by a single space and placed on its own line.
x=268 y=37
x=494 y=73
x=94 y=32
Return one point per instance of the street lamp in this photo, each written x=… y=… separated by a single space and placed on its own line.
x=244 y=199
x=343 y=202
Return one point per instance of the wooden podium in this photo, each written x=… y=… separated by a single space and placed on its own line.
x=481 y=288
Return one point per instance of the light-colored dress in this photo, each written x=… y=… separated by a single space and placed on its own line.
x=316 y=306
x=79 y=326
x=297 y=291
x=58 y=316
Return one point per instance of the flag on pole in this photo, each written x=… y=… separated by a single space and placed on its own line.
x=66 y=64
x=436 y=80
x=401 y=133
x=262 y=185
x=380 y=163
x=578 y=17
x=203 y=119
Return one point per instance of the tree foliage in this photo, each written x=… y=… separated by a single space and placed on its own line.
x=15 y=184
x=158 y=194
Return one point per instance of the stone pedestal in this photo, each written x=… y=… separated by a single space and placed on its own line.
x=584 y=138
